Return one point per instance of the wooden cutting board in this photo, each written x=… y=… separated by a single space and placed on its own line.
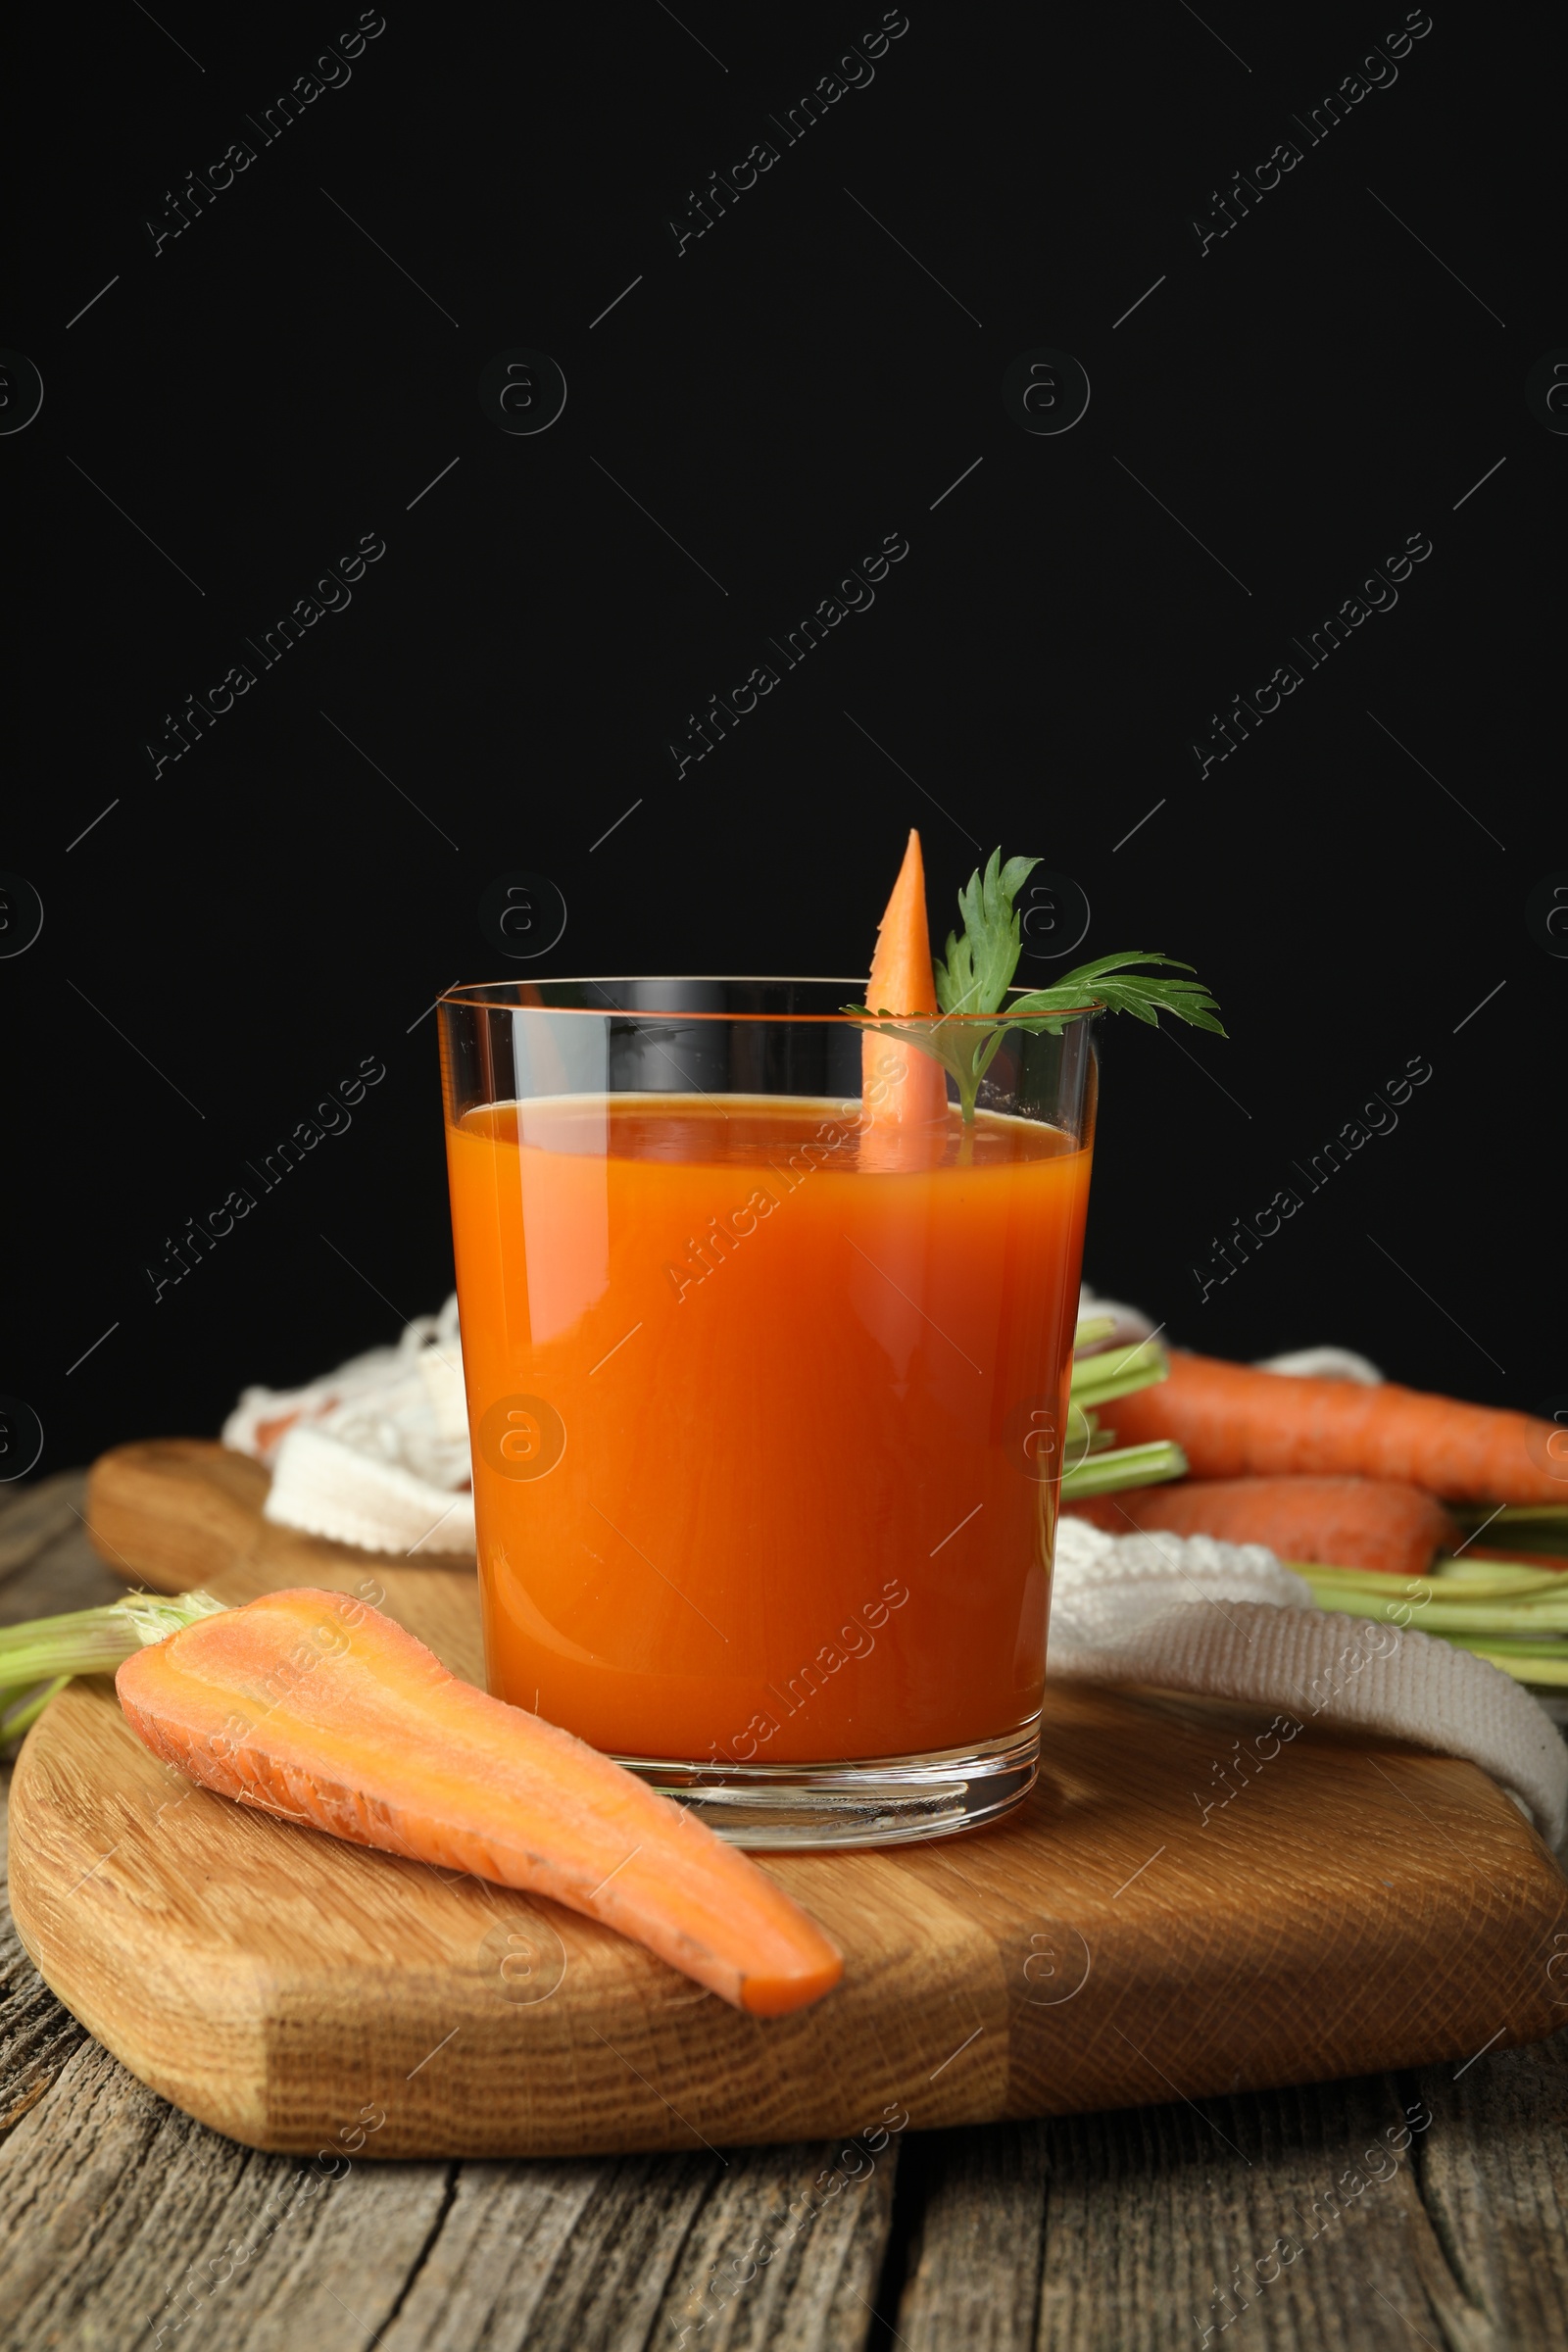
x=1358 y=1905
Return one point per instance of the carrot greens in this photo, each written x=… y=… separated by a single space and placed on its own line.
x=1094 y=1462
x=48 y=1650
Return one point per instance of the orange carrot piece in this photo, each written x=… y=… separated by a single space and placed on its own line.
x=1233 y=1422
x=901 y=977
x=322 y=1711
x=1341 y=1522
x=904 y=1091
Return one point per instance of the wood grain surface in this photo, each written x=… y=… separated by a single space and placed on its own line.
x=122 y=2221
x=1359 y=1905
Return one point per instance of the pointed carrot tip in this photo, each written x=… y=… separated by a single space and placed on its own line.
x=781 y=1996
x=901 y=979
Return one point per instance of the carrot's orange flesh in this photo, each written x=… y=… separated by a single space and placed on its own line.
x=901 y=978
x=316 y=1708
x=1345 y=1522
x=1233 y=1422
x=904 y=1091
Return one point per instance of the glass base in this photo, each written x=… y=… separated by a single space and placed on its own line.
x=876 y=1800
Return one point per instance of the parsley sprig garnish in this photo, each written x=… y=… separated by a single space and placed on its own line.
x=976 y=977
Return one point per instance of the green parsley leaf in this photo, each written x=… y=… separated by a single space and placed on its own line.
x=979 y=968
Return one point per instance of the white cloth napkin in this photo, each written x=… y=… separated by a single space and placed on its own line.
x=1226 y=1620
x=375 y=1454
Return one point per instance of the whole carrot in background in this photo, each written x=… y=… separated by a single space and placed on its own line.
x=322 y=1711
x=1234 y=1422
x=1343 y=1522
x=904 y=1092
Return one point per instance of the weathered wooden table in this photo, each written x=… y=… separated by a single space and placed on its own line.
x=1384 y=2212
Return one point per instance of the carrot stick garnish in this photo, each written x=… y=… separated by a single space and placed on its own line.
x=903 y=1091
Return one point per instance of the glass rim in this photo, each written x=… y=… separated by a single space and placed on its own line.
x=492 y=995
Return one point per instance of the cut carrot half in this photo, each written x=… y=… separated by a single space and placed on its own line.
x=321 y=1710
x=903 y=1091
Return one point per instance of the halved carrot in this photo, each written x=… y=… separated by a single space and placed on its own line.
x=904 y=1092
x=1343 y=1522
x=1233 y=1422
x=320 y=1709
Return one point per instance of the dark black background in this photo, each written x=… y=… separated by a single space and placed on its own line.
x=791 y=387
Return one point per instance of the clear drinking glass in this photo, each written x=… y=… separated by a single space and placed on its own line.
x=766 y=1390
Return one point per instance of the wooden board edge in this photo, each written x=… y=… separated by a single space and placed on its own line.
x=171 y=1513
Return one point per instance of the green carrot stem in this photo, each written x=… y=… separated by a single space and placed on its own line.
x=1131 y=1466
x=1511 y=1583
x=1401 y=1606
x=1517 y=1645
x=1481 y=1576
x=1091 y=1329
x=94 y=1640
x=1451 y=1579
x=1546 y=1670
x=1119 y=1372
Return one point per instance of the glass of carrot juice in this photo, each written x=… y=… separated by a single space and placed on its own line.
x=766 y=1390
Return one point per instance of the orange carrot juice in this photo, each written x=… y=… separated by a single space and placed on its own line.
x=763 y=1433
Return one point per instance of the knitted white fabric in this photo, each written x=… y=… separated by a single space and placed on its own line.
x=1323 y=1363
x=375 y=1454
x=1226 y=1620
x=329 y=1487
